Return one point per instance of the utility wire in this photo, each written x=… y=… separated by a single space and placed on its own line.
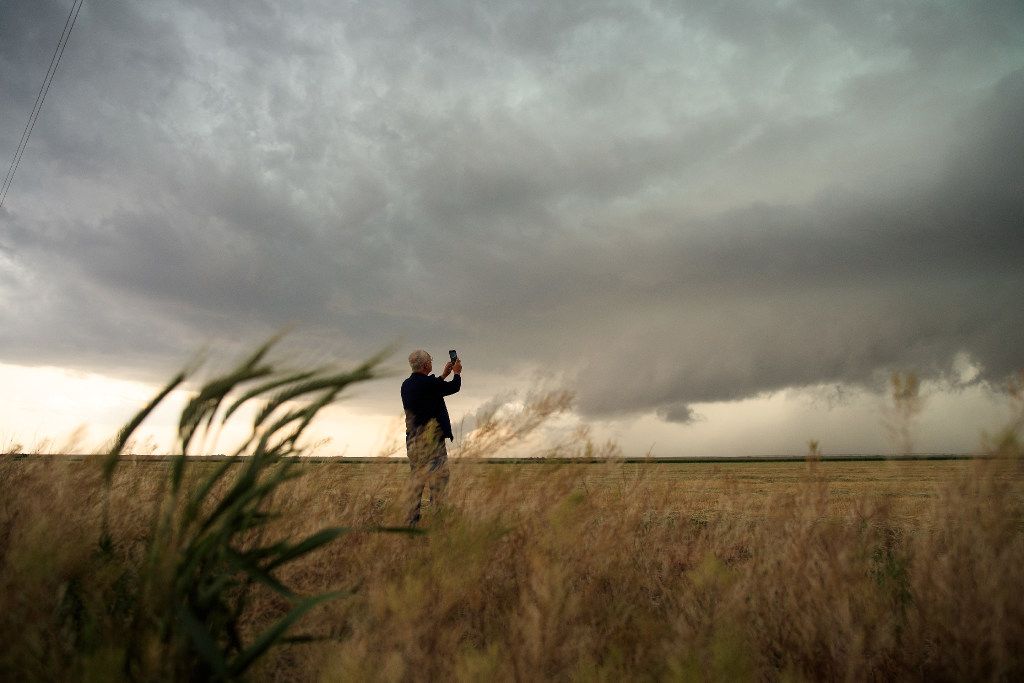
x=58 y=53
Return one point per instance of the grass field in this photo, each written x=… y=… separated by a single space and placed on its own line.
x=908 y=484
x=596 y=572
x=270 y=568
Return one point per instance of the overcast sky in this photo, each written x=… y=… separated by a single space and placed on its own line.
x=658 y=204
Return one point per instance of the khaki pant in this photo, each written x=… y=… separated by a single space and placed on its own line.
x=428 y=459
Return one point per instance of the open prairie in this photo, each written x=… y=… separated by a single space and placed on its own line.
x=806 y=570
x=577 y=567
x=908 y=485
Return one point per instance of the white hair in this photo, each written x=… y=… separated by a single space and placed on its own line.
x=418 y=360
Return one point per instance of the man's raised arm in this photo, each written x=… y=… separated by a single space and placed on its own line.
x=449 y=388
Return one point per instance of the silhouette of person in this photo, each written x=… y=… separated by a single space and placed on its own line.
x=427 y=428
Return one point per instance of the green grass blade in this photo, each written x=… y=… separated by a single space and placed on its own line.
x=177 y=472
x=204 y=644
x=126 y=432
x=251 y=494
x=205 y=404
x=197 y=498
x=274 y=633
x=207 y=550
x=203 y=407
x=214 y=589
x=335 y=382
x=252 y=569
x=265 y=387
x=308 y=545
x=303 y=416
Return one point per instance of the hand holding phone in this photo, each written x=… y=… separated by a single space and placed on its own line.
x=455 y=362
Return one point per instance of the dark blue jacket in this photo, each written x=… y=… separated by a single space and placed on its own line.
x=423 y=399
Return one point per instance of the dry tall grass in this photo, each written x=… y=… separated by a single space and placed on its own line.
x=594 y=572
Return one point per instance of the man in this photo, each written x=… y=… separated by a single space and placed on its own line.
x=427 y=426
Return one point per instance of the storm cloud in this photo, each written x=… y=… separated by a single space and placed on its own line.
x=662 y=203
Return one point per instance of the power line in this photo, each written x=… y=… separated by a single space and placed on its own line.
x=58 y=53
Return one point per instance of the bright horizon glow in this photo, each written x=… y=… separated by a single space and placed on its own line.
x=50 y=409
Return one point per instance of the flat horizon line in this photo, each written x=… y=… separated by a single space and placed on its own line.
x=502 y=460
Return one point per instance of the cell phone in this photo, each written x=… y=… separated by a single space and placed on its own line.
x=454 y=356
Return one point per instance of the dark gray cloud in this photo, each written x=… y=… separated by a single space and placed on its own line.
x=664 y=203
x=681 y=413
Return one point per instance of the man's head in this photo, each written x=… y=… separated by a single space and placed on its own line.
x=420 y=361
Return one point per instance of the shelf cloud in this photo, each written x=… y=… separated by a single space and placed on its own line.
x=663 y=203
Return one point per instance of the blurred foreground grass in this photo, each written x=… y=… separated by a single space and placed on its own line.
x=112 y=569
x=601 y=571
